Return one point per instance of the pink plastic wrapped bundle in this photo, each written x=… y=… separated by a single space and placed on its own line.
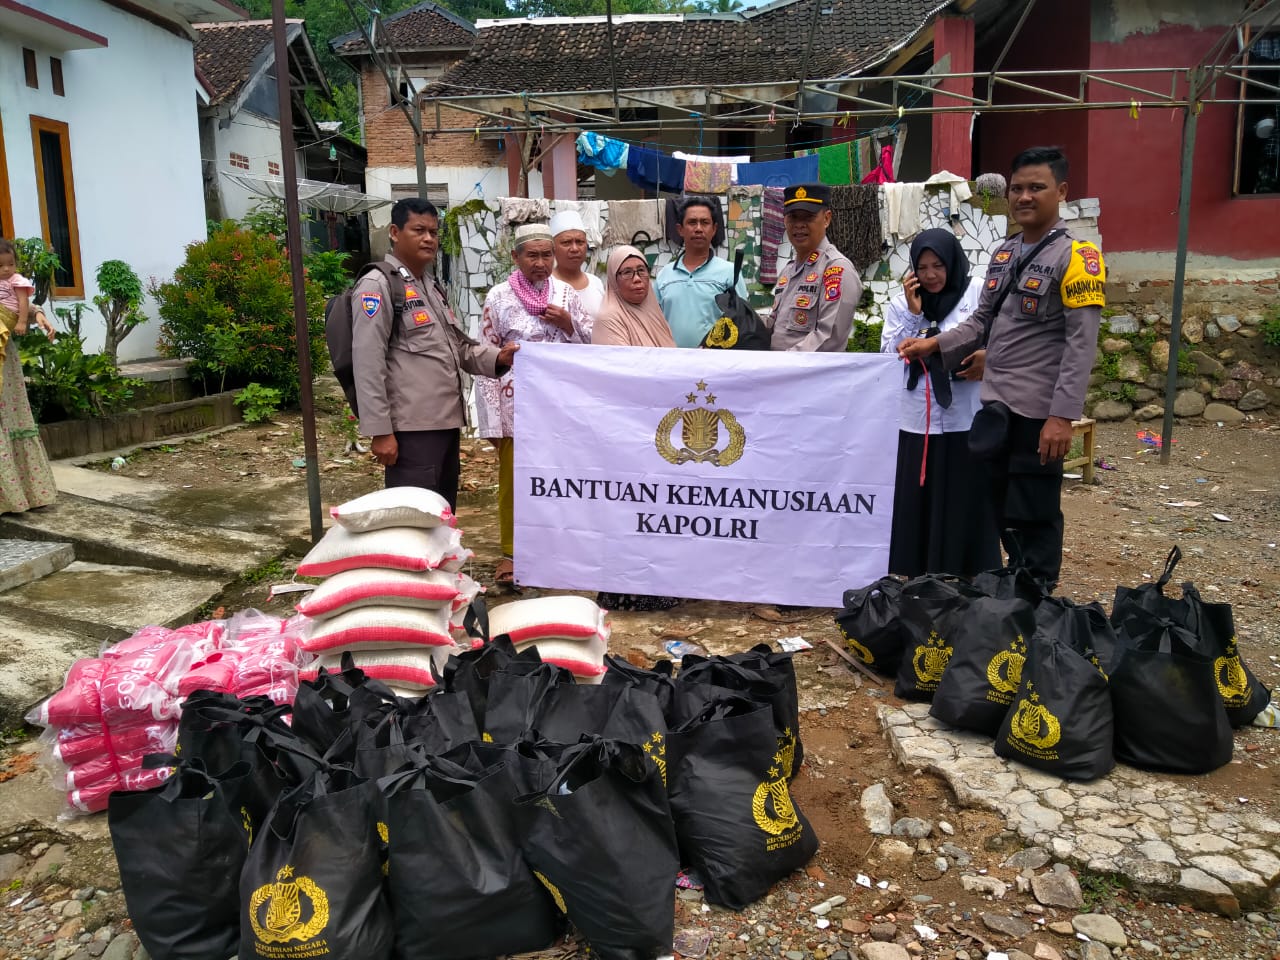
x=75 y=745
x=250 y=627
x=145 y=683
x=217 y=672
x=93 y=798
x=145 y=637
x=79 y=701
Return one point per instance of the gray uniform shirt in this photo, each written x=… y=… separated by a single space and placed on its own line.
x=1042 y=343
x=814 y=300
x=410 y=378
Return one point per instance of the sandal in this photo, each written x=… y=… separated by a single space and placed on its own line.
x=504 y=575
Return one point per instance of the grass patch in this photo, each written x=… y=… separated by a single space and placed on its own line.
x=1100 y=889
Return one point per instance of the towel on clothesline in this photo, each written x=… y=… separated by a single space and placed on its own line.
x=633 y=222
x=516 y=210
x=957 y=186
x=883 y=172
x=901 y=211
x=779 y=173
x=835 y=163
x=855 y=223
x=653 y=170
x=701 y=176
x=772 y=229
x=592 y=213
x=604 y=153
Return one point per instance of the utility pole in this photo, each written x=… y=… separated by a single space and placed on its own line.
x=293 y=242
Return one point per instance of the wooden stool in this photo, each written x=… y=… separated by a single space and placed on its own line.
x=1084 y=429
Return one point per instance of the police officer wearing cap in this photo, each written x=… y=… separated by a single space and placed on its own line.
x=817 y=292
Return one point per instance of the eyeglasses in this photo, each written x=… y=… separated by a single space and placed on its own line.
x=630 y=274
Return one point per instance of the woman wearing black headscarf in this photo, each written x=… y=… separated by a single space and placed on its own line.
x=942 y=521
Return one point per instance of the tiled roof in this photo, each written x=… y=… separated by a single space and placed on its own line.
x=227 y=55
x=420 y=27
x=767 y=45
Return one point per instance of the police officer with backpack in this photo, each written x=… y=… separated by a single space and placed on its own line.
x=408 y=354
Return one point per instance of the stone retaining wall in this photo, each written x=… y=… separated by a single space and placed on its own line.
x=73 y=438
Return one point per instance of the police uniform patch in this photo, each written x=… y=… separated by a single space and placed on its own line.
x=800 y=318
x=420 y=317
x=410 y=293
x=1085 y=282
x=813 y=257
x=804 y=301
x=1033 y=283
x=811 y=278
x=993 y=283
x=1002 y=256
x=783 y=281
x=832 y=283
x=1030 y=305
x=370 y=303
x=832 y=272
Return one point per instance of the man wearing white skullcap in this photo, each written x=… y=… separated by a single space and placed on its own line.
x=569 y=235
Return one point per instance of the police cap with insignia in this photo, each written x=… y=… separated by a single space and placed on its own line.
x=814 y=197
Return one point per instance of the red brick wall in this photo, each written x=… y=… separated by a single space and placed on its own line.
x=389 y=138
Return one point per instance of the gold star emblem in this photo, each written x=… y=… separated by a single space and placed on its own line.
x=691 y=397
x=657 y=738
x=777 y=757
x=711 y=398
x=773 y=772
x=701 y=384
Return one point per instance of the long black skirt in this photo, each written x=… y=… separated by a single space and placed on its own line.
x=948 y=524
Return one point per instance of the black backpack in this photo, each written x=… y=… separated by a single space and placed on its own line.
x=338 y=325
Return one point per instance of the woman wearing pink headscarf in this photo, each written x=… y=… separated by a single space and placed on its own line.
x=630 y=316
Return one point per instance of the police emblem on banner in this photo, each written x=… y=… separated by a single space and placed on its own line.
x=700 y=423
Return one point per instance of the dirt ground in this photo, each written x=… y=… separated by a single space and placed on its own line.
x=1218 y=498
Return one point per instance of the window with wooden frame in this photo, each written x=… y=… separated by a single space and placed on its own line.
x=51 y=144
x=29 y=67
x=55 y=77
x=6 y=206
x=1257 y=162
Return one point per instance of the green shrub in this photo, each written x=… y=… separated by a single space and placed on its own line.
x=865 y=337
x=38 y=263
x=1271 y=327
x=64 y=383
x=118 y=301
x=229 y=307
x=329 y=269
x=258 y=403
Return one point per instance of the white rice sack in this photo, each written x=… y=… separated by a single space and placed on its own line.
x=550 y=618
x=583 y=658
x=371 y=586
x=379 y=628
x=395 y=548
x=458 y=561
x=394 y=507
x=407 y=671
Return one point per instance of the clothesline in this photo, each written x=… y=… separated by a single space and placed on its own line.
x=860 y=160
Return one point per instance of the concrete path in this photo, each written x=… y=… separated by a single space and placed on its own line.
x=1168 y=840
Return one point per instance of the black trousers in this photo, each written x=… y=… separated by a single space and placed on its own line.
x=427 y=458
x=1026 y=498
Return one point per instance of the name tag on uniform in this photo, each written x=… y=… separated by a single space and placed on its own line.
x=420 y=317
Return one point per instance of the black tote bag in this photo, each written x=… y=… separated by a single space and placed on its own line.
x=660 y=680
x=312 y=885
x=458 y=884
x=985 y=671
x=931 y=607
x=1168 y=713
x=737 y=824
x=870 y=625
x=1062 y=720
x=180 y=850
x=600 y=838
x=760 y=674
x=1084 y=627
x=516 y=695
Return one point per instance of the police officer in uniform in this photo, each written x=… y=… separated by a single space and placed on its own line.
x=819 y=289
x=408 y=367
x=1038 y=319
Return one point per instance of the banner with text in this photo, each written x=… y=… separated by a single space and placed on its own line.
x=715 y=474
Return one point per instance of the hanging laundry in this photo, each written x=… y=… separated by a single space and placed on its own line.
x=516 y=210
x=772 y=229
x=701 y=176
x=835 y=164
x=883 y=173
x=633 y=222
x=604 y=153
x=779 y=173
x=855 y=229
x=957 y=186
x=900 y=146
x=901 y=210
x=864 y=158
x=653 y=170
